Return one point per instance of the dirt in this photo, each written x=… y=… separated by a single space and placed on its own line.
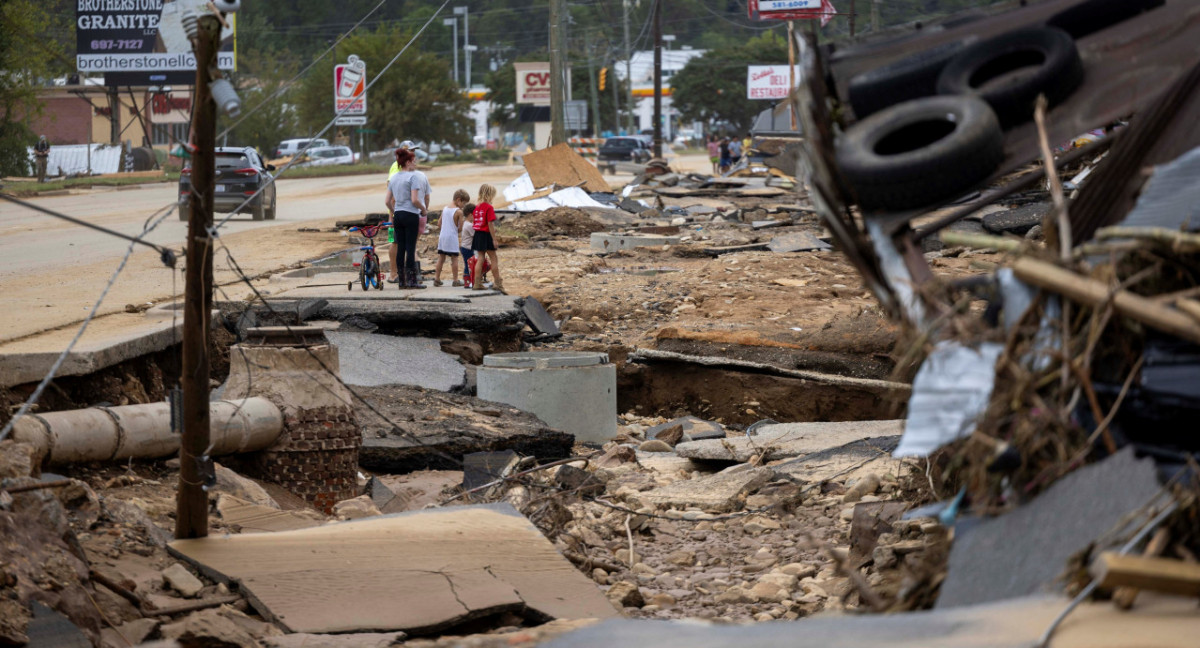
x=559 y=222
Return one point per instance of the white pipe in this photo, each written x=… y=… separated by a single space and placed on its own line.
x=144 y=431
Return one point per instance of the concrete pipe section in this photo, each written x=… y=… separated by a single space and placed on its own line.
x=575 y=392
x=144 y=431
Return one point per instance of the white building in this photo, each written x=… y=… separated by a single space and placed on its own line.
x=641 y=69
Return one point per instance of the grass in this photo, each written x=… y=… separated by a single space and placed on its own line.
x=33 y=188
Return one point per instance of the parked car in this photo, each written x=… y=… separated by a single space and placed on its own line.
x=622 y=149
x=328 y=156
x=240 y=172
x=294 y=146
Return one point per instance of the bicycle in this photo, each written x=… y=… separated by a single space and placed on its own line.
x=370 y=271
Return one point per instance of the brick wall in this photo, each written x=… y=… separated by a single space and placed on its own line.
x=316 y=456
x=64 y=120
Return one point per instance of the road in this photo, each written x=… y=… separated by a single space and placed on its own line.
x=51 y=271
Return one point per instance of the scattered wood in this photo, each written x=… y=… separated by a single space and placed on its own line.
x=1162 y=575
x=981 y=241
x=1124 y=597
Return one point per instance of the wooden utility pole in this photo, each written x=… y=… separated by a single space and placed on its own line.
x=594 y=90
x=558 y=132
x=192 y=504
x=628 y=73
x=614 y=82
x=658 y=78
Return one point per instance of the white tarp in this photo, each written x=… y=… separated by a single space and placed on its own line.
x=569 y=197
x=950 y=392
x=72 y=159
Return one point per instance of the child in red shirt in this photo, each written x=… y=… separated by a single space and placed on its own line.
x=484 y=243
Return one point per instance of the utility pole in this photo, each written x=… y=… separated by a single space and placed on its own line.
x=453 y=24
x=628 y=74
x=658 y=44
x=616 y=95
x=558 y=133
x=465 y=13
x=594 y=91
x=191 y=519
x=853 y=14
x=114 y=114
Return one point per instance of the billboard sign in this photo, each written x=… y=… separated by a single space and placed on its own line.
x=350 y=87
x=533 y=83
x=770 y=81
x=791 y=10
x=145 y=37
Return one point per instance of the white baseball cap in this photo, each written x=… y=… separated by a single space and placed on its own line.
x=410 y=145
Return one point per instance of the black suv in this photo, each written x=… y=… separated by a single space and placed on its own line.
x=622 y=149
x=240 y=173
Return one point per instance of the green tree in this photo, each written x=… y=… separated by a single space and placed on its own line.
x=263 y=69
x=415 y=99
x=712 y=88
x=28 y=60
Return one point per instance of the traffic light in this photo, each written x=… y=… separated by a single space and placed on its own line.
x=603 y=78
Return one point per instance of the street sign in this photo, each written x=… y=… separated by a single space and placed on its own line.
x=533 y=83
x=791 y=10
x=770 y=81
x=350 y=87
x=351 y=120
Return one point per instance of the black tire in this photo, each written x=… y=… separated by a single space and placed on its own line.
x=1059 y=71
x=185 y=212
x=909 y=78
x=259 y=211
x=270 y=214
x=364 y=273
x=921 y=151
x=1092 y=16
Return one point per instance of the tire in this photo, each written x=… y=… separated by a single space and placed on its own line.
x=270 y=214
x=909 y=78
x=364 y=273
x=1094 y=15
x=921 y=151
x=1058 y=74
x=185 y=212
x=258 y=212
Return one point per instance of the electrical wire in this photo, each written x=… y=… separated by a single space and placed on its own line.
x=62 y=357
x=313 y=140
x=286 y=86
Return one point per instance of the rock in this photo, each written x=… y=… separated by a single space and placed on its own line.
x=19 y=460
x=694 y=429
x=799 y=570
x=14 y=619
x=600 y=576
x=134 y=632
x=615 y=456
x=355 y=508
x=736 y=594
x=243 y=488
x=1016 y=221
x=715 y=493
x=359 y=640
x=786 y=582
x=884 y=558
x=663 y=600
x=217 y=628
x=671 y=435
x=683 y=558
x=866 y=485
x=178 y=578
x=624 y=594
x=766 y=591
x=578 y=480
x=642 y=569
x=763 y=616
x=655 y=445
x=757 y=525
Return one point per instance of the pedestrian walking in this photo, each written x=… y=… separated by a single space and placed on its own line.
x=448 y=243
x=41 y=157
x=724 y=150
x=714 y=153
x=408 y=201
x=483 y=243
x=735 y=151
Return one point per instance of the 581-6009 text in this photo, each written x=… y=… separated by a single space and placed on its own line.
x=116 y=44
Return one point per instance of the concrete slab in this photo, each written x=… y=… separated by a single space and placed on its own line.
x=422 y=571
x=784 y=440
x=107 y=341
x=694 y=429
x=370 y=360
x=604 y=242
x=333 y=285
x=665 y=462
x=845 y=462
x=718 y=493
x=1019 y=623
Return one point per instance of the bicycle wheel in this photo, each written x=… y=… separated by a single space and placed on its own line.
x=364 y=271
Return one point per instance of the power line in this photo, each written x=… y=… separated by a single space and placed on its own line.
x=312 y=141
x=166 y=254
x=58 y=363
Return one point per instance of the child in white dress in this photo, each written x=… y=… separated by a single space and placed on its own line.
x=448 y=237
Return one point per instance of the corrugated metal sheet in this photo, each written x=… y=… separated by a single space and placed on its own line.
x=73 y=159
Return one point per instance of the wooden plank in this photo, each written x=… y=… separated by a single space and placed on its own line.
x=1091 y=292
x=1124 y=597
x=419 y=571
x=1163 y=575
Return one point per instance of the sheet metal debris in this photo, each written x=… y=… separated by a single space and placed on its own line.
x=950 y=392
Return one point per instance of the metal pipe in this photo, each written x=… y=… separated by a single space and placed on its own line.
x=144 y=431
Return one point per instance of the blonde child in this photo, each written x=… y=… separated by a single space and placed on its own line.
x=484 y=244
x=447 y=246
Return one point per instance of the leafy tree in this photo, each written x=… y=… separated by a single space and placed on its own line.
x=415 y=99
x=27 y=61
x=263 y=69
x=712 y=88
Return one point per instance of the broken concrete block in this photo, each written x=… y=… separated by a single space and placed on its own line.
x=132 y=633
x=720 y=492
x=178 y=578
x=665 y=463
x=615 y=456
x=356 y=508
x=537 y=317
x=867 y=522
x=654 y=445
x=243 y=488
x=671 y=435
x=694 y=429
x=357 y=640
x=371 y=360
x=416 y=490
x=379 y=493
x=784 y=440
x=624 y=594
x=19 y=460
x=223 y=626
